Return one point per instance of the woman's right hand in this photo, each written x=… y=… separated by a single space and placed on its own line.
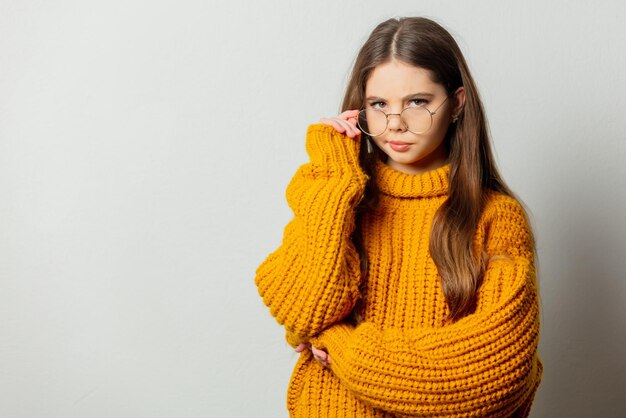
x=344 y=123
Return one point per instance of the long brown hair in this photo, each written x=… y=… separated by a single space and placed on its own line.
x=424 y=43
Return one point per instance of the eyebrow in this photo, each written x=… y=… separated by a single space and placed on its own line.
x=408 y=96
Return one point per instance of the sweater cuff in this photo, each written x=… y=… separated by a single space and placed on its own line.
x=333 y=150
x=335 y=339
x=293 y=339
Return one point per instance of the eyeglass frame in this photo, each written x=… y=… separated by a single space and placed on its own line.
x=402 y=120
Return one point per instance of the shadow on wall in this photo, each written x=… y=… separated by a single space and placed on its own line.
x=583 y=338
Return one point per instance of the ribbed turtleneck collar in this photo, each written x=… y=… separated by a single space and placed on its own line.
x=396 y=183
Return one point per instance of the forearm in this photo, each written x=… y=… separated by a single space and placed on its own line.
x=483 y=365
x=311 y=281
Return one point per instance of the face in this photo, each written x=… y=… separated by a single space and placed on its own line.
x=394 y=86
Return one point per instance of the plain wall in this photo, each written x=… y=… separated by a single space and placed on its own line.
x=145 y=148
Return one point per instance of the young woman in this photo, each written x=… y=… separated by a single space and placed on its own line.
x=406 y=278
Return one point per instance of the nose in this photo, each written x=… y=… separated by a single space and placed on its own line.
x=395 y=123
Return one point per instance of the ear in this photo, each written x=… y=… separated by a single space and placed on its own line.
x=459 y=101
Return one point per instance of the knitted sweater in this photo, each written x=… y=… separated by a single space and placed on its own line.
x=401 y=359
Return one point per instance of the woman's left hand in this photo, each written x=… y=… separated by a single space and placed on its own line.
x=320 y=355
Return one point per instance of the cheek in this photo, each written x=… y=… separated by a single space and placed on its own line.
x=440 y=128
x=378 y=141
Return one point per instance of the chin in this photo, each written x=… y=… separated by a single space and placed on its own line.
x=405 y=159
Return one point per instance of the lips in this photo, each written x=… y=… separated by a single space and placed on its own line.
x=399 y=143
x=399 y=147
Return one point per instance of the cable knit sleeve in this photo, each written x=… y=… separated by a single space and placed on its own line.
x=311 y=281
x=484 y=365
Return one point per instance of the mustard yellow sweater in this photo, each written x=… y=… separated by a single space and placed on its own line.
x=401 y=359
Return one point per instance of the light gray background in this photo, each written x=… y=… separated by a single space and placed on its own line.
x=145 y=148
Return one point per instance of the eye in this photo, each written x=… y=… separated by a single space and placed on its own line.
x=419 y=102
x=373 y=104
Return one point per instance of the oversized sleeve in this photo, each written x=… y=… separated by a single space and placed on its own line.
x=311 y=280
x=483 y=365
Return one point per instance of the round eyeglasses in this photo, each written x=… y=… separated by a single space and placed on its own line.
x=418 y=119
